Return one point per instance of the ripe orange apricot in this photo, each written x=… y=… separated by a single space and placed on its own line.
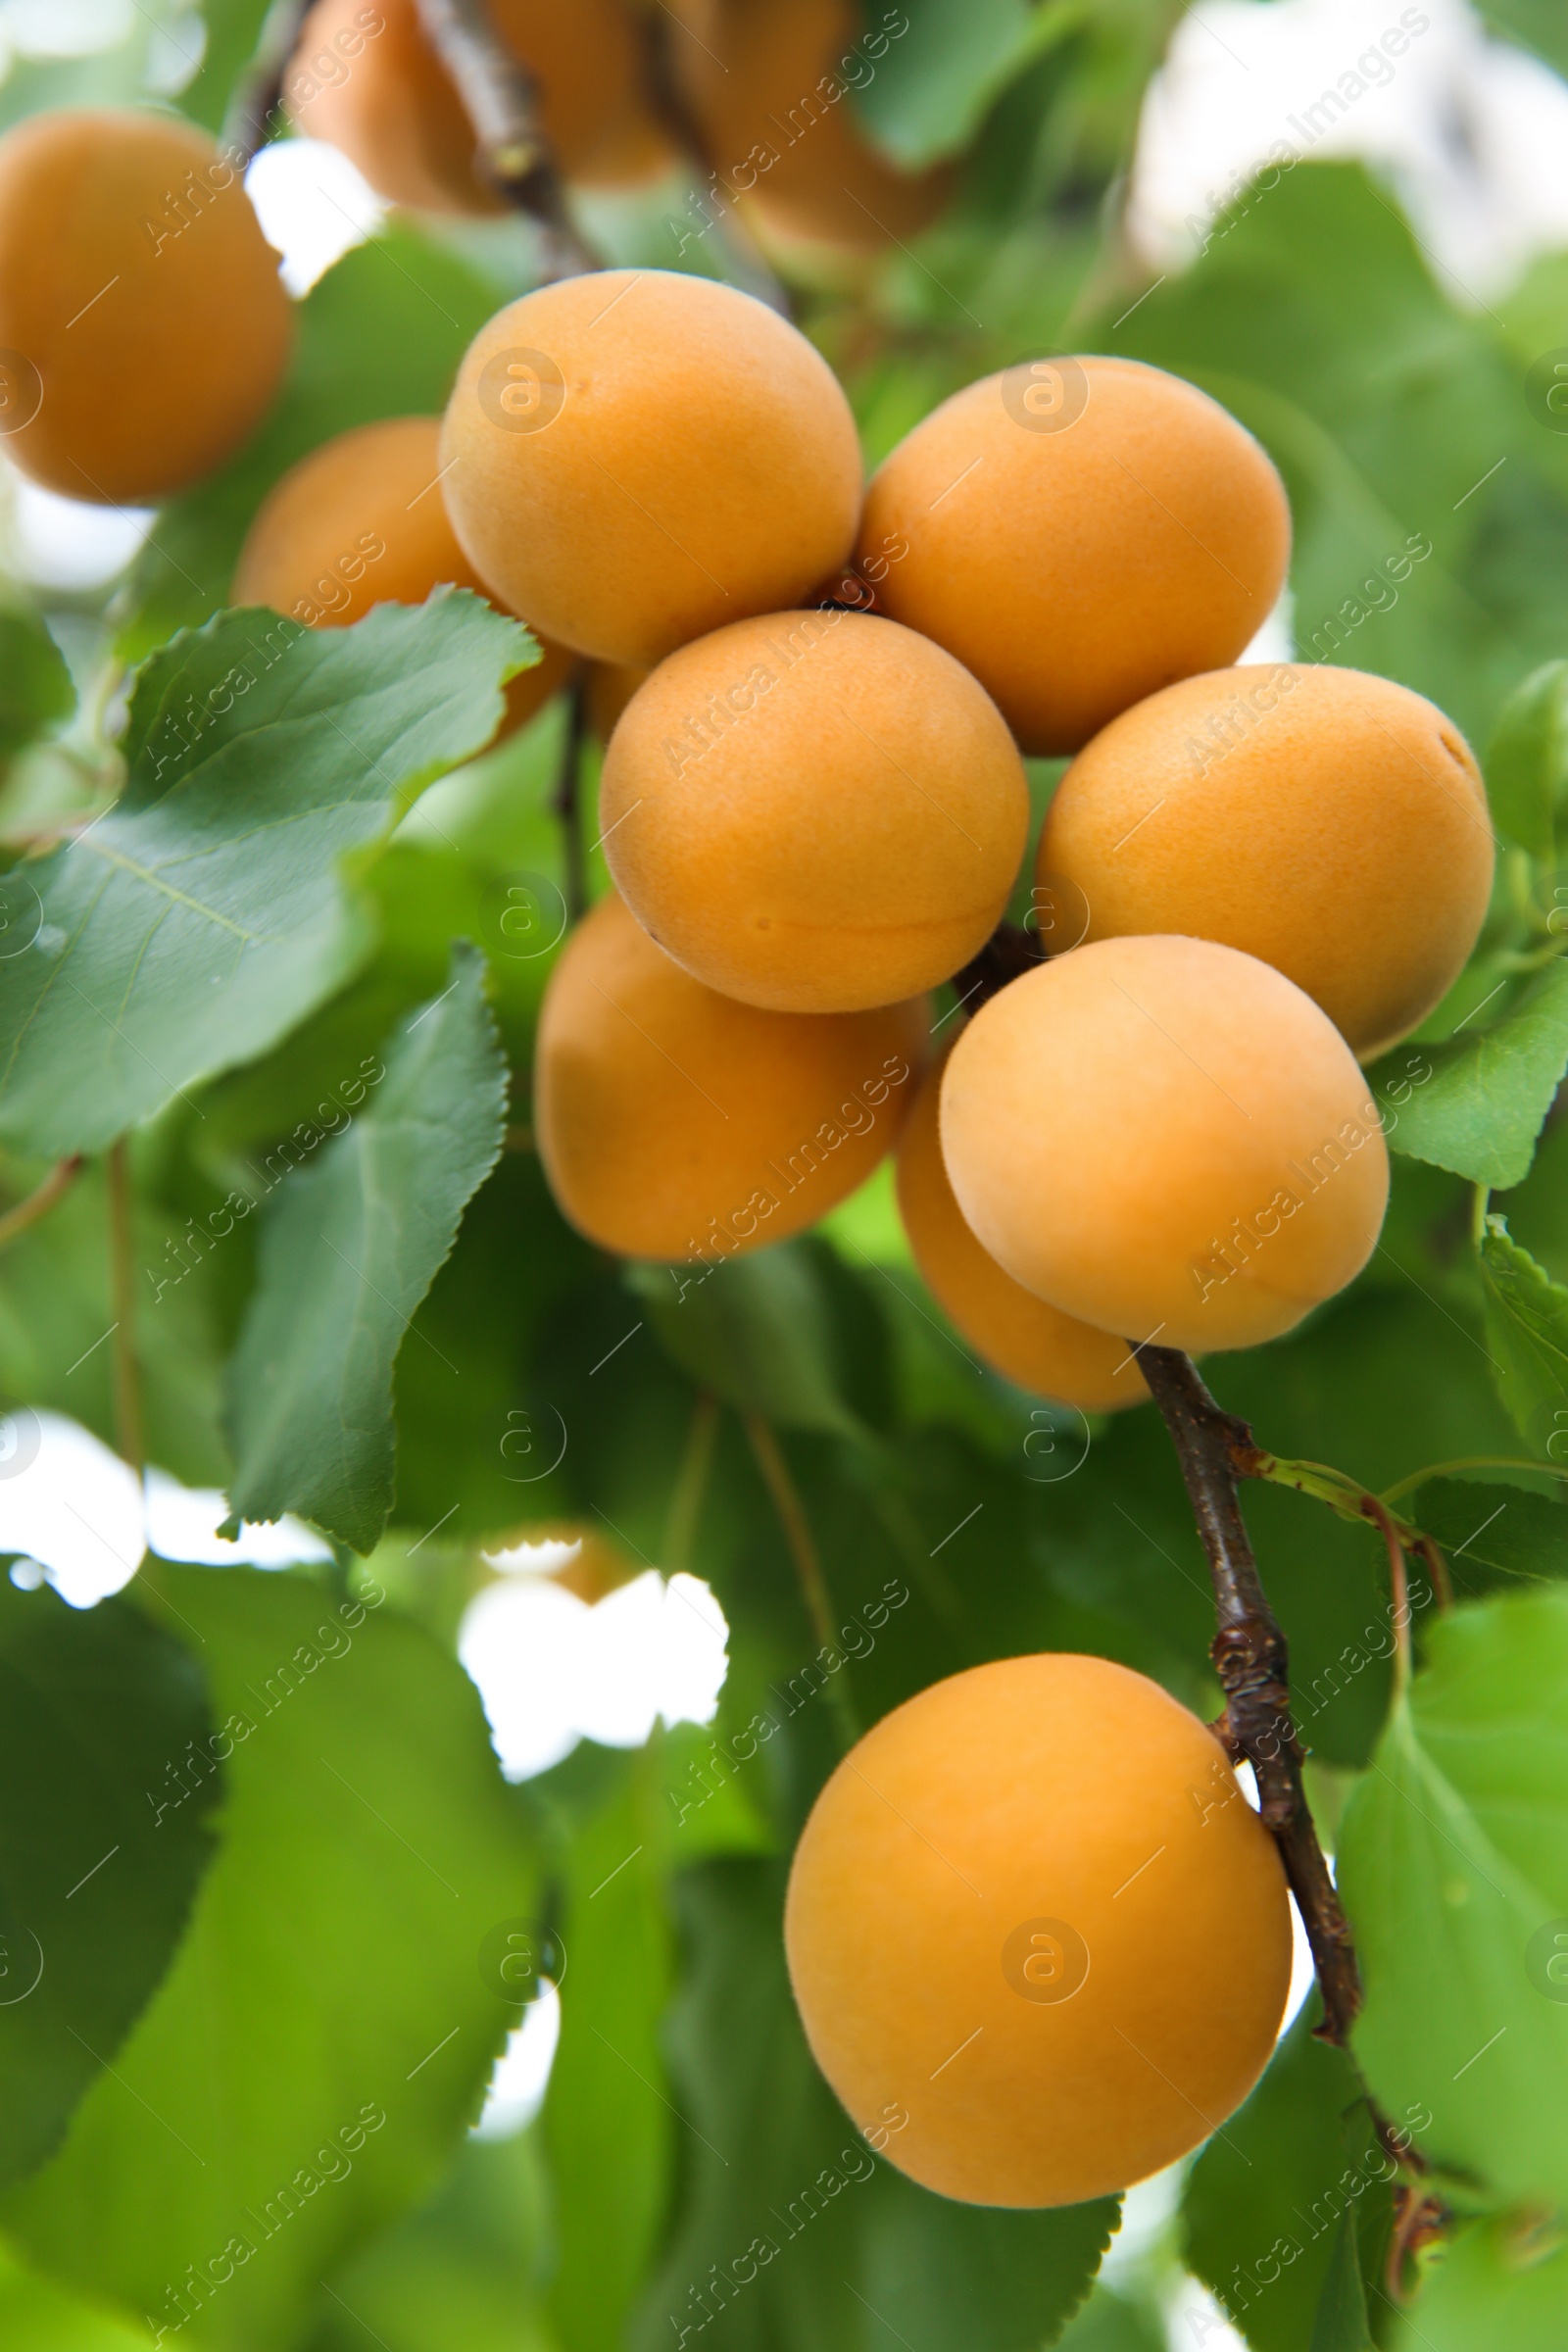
x=815 y=811
x=1080 y=533
x=675 y=1124
x=1039 y=1940
x=1166 y=1138
x=1036 y=1344
x=770 y=88
x=365 y=78
x=635 y=457
x=359 y=522
x=1333 y=823
x=143 y=326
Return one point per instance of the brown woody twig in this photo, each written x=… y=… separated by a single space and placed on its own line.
x=566 y=802
x=255 y=112
x=502 y=101
x=1215 y=1449
x=1006 y=955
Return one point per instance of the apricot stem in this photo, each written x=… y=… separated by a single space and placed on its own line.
x=255 y=111
x=566 y=802
x=502 y=101
x=40 y=1201
x=690 y=1485
x=123 y=1298
x=1214 y=1449
x=798 y=1534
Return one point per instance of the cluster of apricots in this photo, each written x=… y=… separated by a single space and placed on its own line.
x=1039 y=1940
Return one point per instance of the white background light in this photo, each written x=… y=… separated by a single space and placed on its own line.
x=312 y=204
x=552 y=1669
x=77 y=1510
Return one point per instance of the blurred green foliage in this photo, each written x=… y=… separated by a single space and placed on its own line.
x=309 y=1954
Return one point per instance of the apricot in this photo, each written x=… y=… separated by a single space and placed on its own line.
x=815 y=811
x=1080 y=533
x=367 y=80
x=361 y=521
x=1167 y=1139
x=1036 y=1344
x=143 y=326
x=675 y=1124
x=765 y=87
x=635 y=457
x=1039 y=1940
x=1332 y=823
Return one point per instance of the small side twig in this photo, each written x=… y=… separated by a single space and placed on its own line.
x=566 y=802
x=502 y=101
x=807 y=1564
x=40 y=1200
x=1250 y=1658
x=255 y=112
x=667 y=102
x=123 y=1298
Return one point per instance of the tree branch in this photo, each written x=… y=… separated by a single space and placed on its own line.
x=502 y=101
x=565 y=804
x=1249 y=1653
x=1006 y=955
x=40 y=1201
x=255 y=111
x=807 y=1563
x=123 y=1298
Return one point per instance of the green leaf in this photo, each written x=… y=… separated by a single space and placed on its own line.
x=1500 y=2282
x=756 y=1330
x=197 y=922
x=101 y=1846
x=35 y=686
x=1341 y=2325
x=310 y=2062
x=233 y=29
x=940 y=2274
x=56 y=1287
x=37 y=2316
x=379 y=336
x=1527 y=762
x=466 y=2272
x=1454 y=1864
x=350 y=1247
x=1492 y=1534
x=1477 y=1103
x=1273 y=2192
x=935 y=81
x=814 y=2241
x=1526 y=1329
x=1538 y=25
x=1108 y=2323
x=607 y=2123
